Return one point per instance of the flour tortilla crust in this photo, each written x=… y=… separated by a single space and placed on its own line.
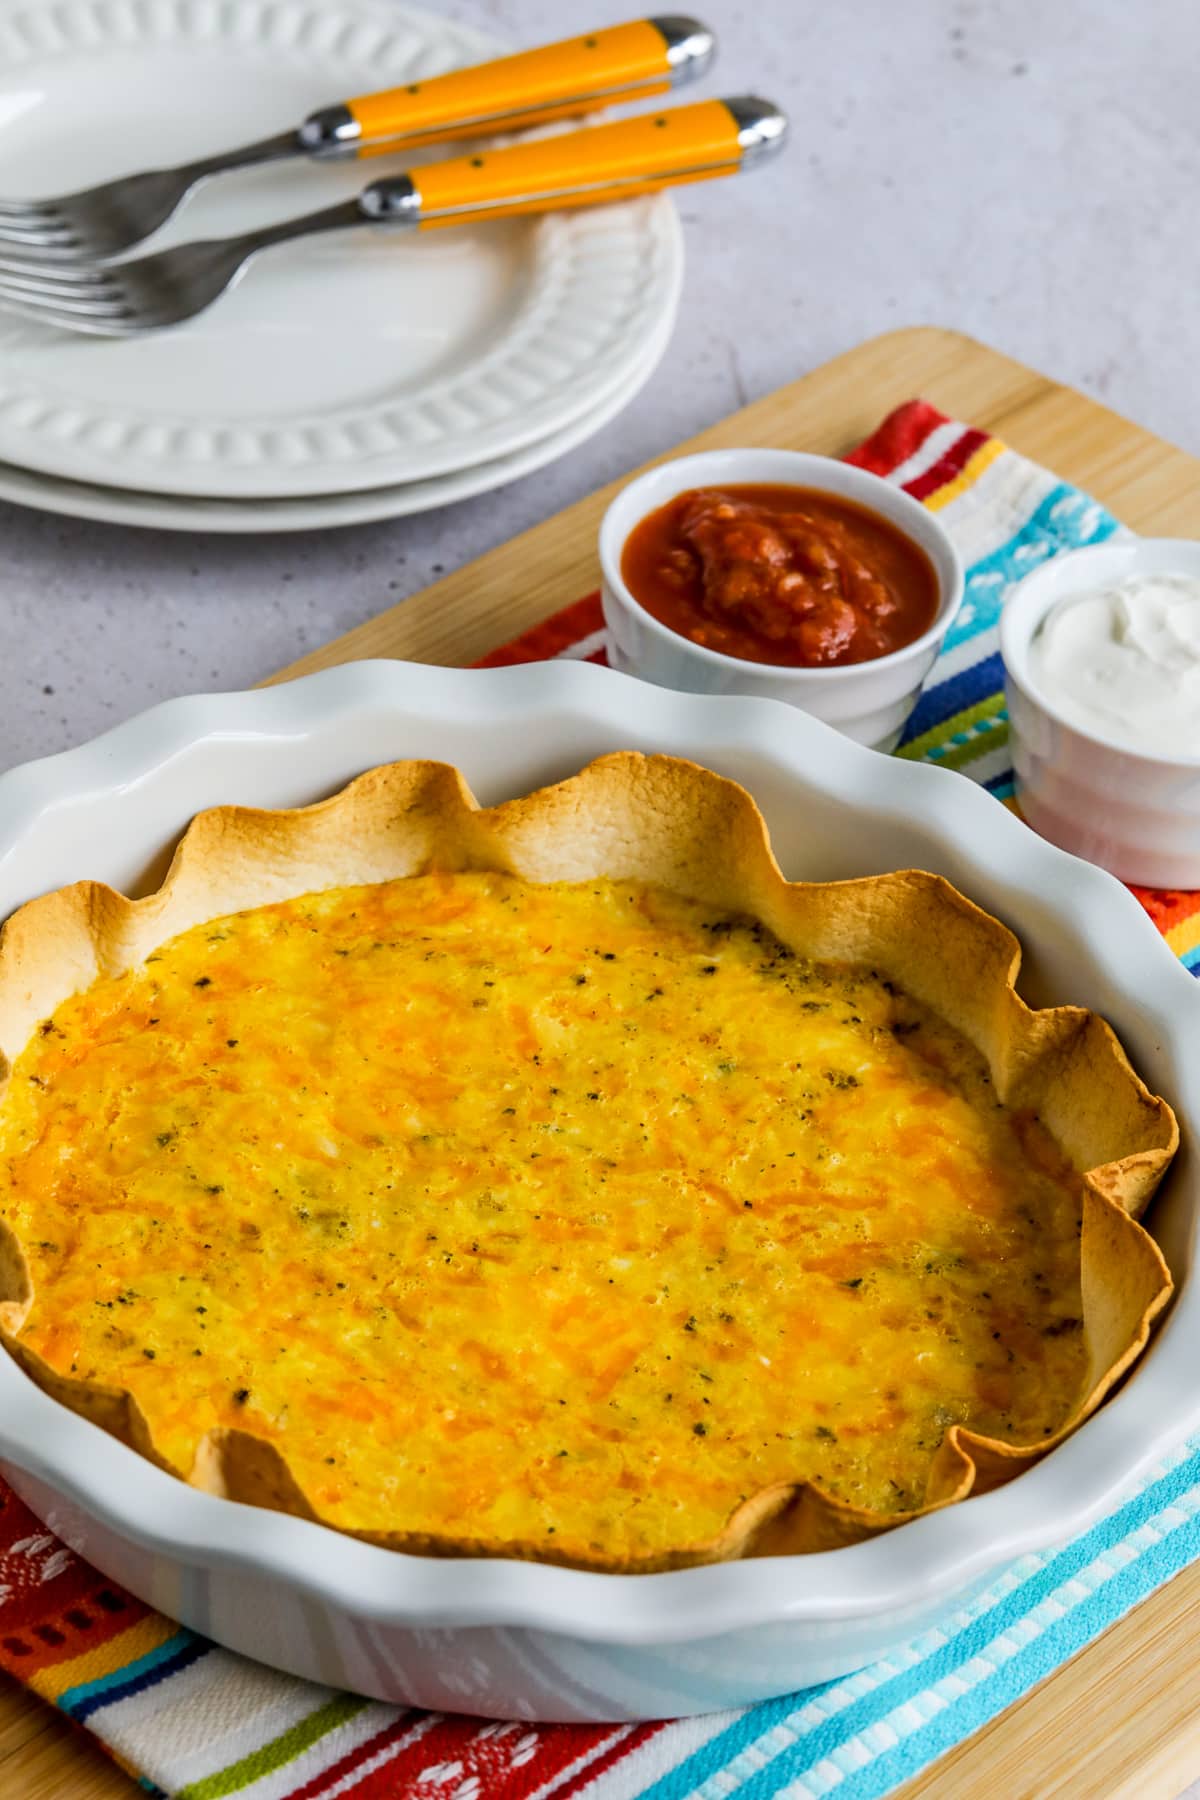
x=661 y=820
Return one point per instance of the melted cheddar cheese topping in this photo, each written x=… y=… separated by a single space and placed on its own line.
x=559 y=1216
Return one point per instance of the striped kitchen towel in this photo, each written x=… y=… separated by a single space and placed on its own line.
x=190 y=1720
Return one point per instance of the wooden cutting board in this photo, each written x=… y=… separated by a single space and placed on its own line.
x=1120 y=1721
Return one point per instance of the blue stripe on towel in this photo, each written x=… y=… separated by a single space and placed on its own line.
x=169 y=1658
x=945 y=698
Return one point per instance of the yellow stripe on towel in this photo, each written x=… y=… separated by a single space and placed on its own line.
x=104 y=1659
x=982 y=460
x=1185 y=936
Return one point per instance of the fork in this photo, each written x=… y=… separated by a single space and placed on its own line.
x=625 y=62
x=581 y=168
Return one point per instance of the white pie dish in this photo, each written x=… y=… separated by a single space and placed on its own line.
x=527 y=1640
x=868 y=701
x=1134 y=812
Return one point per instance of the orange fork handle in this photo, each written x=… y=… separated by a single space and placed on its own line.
x=557 y=81
x=582 y=168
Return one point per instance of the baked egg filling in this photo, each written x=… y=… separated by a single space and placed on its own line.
x=561 y=1216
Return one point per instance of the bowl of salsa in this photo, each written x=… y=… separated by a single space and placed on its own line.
x=779 y=573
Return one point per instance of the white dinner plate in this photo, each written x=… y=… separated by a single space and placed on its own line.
x=359 y=359
x=319 y=512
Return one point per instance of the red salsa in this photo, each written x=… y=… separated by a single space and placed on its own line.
x=780 y=575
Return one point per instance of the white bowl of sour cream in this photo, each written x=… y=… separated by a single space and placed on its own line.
x=1101 y=652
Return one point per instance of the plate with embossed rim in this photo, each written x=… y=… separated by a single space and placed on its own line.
x=319 y=512
x=336 y=364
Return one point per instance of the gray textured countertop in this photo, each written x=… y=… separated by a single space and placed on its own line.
x=1024 y=172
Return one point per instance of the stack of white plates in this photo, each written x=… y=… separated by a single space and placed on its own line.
x=360 y=375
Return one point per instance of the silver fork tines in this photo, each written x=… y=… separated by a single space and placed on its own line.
x=103 y=221
x=165 y=288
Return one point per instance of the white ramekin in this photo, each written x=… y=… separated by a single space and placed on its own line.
x=868 y=701
x=1135 y=813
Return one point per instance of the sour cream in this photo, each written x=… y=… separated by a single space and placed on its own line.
x=1123 y=662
